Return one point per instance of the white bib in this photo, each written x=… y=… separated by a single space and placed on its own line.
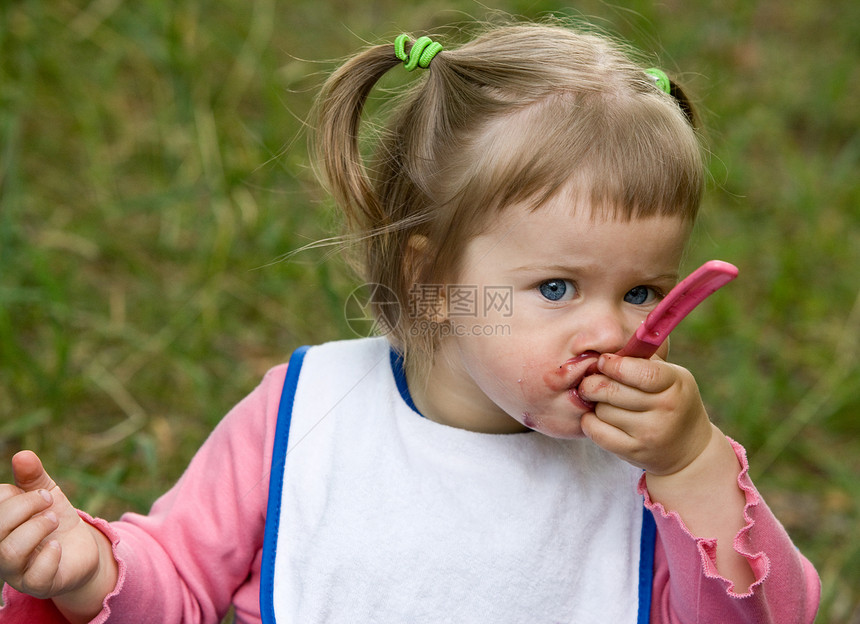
x=377 y=514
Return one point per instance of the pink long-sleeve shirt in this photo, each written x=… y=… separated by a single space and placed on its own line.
x=200 y=548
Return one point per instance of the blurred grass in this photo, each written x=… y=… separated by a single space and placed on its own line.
x=152 y=168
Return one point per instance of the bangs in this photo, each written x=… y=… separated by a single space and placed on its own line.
x=622 y=157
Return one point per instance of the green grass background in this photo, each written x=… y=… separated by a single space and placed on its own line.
x=153 y=168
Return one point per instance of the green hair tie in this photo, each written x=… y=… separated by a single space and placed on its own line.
x=421 y=53
x=661 y=79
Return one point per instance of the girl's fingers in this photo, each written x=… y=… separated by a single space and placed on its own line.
x=16 y=510
x=607 y=436
x=7 y=491
x=20 y=545
x=29 y=472
x=39 y=579
x=651 y=376
x=629 y=383
x=604 y=390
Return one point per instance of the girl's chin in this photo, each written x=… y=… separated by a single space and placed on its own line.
x=565 y=435
x=567 y=428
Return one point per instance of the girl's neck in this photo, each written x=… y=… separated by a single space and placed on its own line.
x=457 y=406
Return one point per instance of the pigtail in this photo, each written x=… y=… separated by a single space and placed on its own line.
x=684 y=103
x=335 y=139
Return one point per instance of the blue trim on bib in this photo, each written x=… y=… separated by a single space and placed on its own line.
x=276 y=486
x=646 y=565
x=400 y=380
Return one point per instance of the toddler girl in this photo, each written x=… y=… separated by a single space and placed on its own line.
x=488 y=459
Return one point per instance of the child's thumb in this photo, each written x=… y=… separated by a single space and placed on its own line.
x=29 y=473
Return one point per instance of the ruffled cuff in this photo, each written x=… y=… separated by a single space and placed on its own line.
x=19 y=608
x=673 y=531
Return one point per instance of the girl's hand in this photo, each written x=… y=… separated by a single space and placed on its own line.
x=46 y=549
x=648 y=412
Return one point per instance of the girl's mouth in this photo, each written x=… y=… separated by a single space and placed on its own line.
x=580 y=402
x=569 y=375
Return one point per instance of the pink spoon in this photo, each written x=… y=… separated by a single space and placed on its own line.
x=681 y=300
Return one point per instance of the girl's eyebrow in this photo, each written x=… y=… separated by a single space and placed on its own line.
x=673 y=277
x=559 y=268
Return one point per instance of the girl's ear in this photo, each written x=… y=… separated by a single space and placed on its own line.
x=417 y=258
x=427 y=301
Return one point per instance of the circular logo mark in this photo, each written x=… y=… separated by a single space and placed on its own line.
x=358 y=311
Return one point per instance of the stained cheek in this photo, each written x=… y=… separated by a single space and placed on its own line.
x=523 y=389
x=556 y=379
x=522 y=397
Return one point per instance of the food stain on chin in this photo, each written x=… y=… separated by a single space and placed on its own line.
x=528 y=421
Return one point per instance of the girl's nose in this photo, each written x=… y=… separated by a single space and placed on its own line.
x=602 y=330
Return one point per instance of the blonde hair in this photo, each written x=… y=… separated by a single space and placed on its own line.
x=513 y=116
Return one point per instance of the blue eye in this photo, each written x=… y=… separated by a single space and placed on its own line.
x=556 y=289
x=641 y=295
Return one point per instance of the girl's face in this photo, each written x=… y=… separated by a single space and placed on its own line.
x=539 y=295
